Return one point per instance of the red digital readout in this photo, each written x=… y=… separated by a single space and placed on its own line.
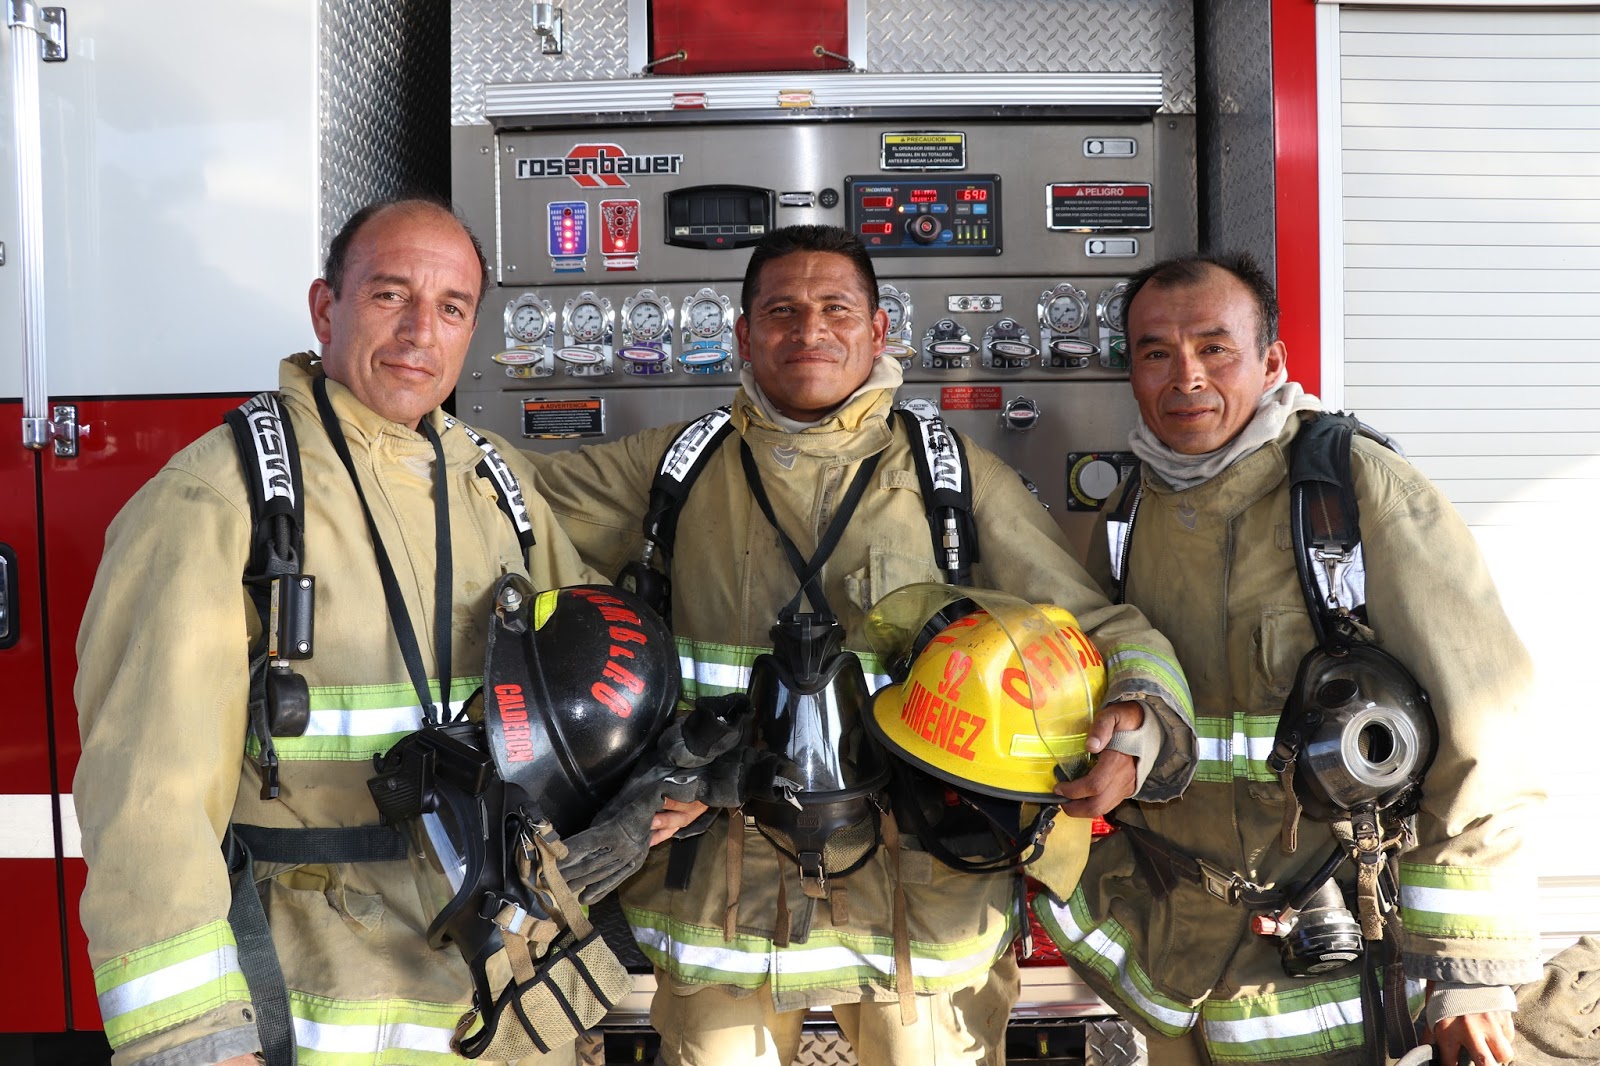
x=971 y=196
x=876 y=227
x=924 y=196
x=881 y=203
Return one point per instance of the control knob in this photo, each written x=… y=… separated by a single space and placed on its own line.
x=1020 y=413
x=924 y=229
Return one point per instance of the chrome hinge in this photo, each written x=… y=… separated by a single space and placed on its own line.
x=50 y=23
x=61 y=429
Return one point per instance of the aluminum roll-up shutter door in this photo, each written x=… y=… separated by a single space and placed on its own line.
x=1469 y=212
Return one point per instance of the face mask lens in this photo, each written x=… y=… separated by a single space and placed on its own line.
x=438 y=856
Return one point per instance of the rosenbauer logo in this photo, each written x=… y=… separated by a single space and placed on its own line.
x=598 y=166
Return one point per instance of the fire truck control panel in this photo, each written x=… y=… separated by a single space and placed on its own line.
x=1001 y=244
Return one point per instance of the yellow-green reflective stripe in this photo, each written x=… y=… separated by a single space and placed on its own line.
x=1294 y=1023
x=1104 y=947
x=1464 y=901
x=166 y=983
x=825 y=960
x=1229 y=749
x=330 y=1032
x=712 y=669
x=350 y=723
x=1135 y=661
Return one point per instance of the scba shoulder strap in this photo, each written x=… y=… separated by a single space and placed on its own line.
x=284 y=596
x=942 y=473
x=1325 y=523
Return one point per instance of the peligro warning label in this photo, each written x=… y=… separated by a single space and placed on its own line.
x=1084 y=206
x=563 y=418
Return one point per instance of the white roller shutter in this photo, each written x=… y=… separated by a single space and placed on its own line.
x=1461 y=273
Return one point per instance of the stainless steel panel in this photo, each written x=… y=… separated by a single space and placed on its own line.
x=810 y=156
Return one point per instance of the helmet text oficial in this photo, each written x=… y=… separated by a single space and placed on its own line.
x=938 y=716
x=996 y=708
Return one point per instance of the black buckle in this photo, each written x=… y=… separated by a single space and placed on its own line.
x=1223 y=884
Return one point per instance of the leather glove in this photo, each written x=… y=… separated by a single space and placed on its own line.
x=704 y=756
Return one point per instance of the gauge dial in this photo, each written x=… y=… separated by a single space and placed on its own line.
x=706 y=318
x=586 y=322
x=1116 y=308
x=528 y=322
x=646 y=321
x=895 y=308
x=1064 y=313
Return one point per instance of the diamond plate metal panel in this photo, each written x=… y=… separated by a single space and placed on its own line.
x=1113 y=1042
x=824 y=1047
x=998 y=35
x=381 y=103
x=490 y=42
x=493 y=41
x=1235 y=142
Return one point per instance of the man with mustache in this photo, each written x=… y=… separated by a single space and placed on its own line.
x=164 y=685
x=742 y=943
x=1210 y=561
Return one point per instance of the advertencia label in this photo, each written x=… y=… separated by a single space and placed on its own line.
x=563 y=418
x=1086 y=206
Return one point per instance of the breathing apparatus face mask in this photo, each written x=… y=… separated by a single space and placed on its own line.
x=1360 y=732
x=578 y=683
x=994 y=703
x=811 y=699
x=1353 y=744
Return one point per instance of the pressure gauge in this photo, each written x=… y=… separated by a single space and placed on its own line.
x=1064 y=312
x=586 y=321
x=646 y=321
x=1114 y=307
x=894 y=305
x=707 y=317
x=527 y=319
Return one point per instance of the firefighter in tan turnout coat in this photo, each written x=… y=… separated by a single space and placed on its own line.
x=742 y=951
x=1211 y=564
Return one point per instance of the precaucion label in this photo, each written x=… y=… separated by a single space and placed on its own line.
x=924 y=151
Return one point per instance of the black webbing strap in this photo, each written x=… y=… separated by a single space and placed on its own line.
x=404 y=634
x=246 y=845
x=941 y=461
x=509 y=495
x=680 y=467
x=1171 y=861
x=809 y=571
x=1324 y=516
x=263 y=435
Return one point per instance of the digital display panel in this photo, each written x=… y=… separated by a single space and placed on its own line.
x=926 y=215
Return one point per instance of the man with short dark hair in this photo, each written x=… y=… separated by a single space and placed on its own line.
x=164 y=681
x=749 y=935
x=1182 y=921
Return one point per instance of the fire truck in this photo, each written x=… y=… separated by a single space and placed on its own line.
x=1421 y=178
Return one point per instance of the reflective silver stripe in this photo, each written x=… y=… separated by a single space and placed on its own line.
x=1117 y=540
x=368 y=722
x=333 y=1039
x=1213 y=749
x=169 y=981
x=1317 y=1018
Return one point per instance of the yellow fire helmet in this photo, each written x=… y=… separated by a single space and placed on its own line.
x=997 y=701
